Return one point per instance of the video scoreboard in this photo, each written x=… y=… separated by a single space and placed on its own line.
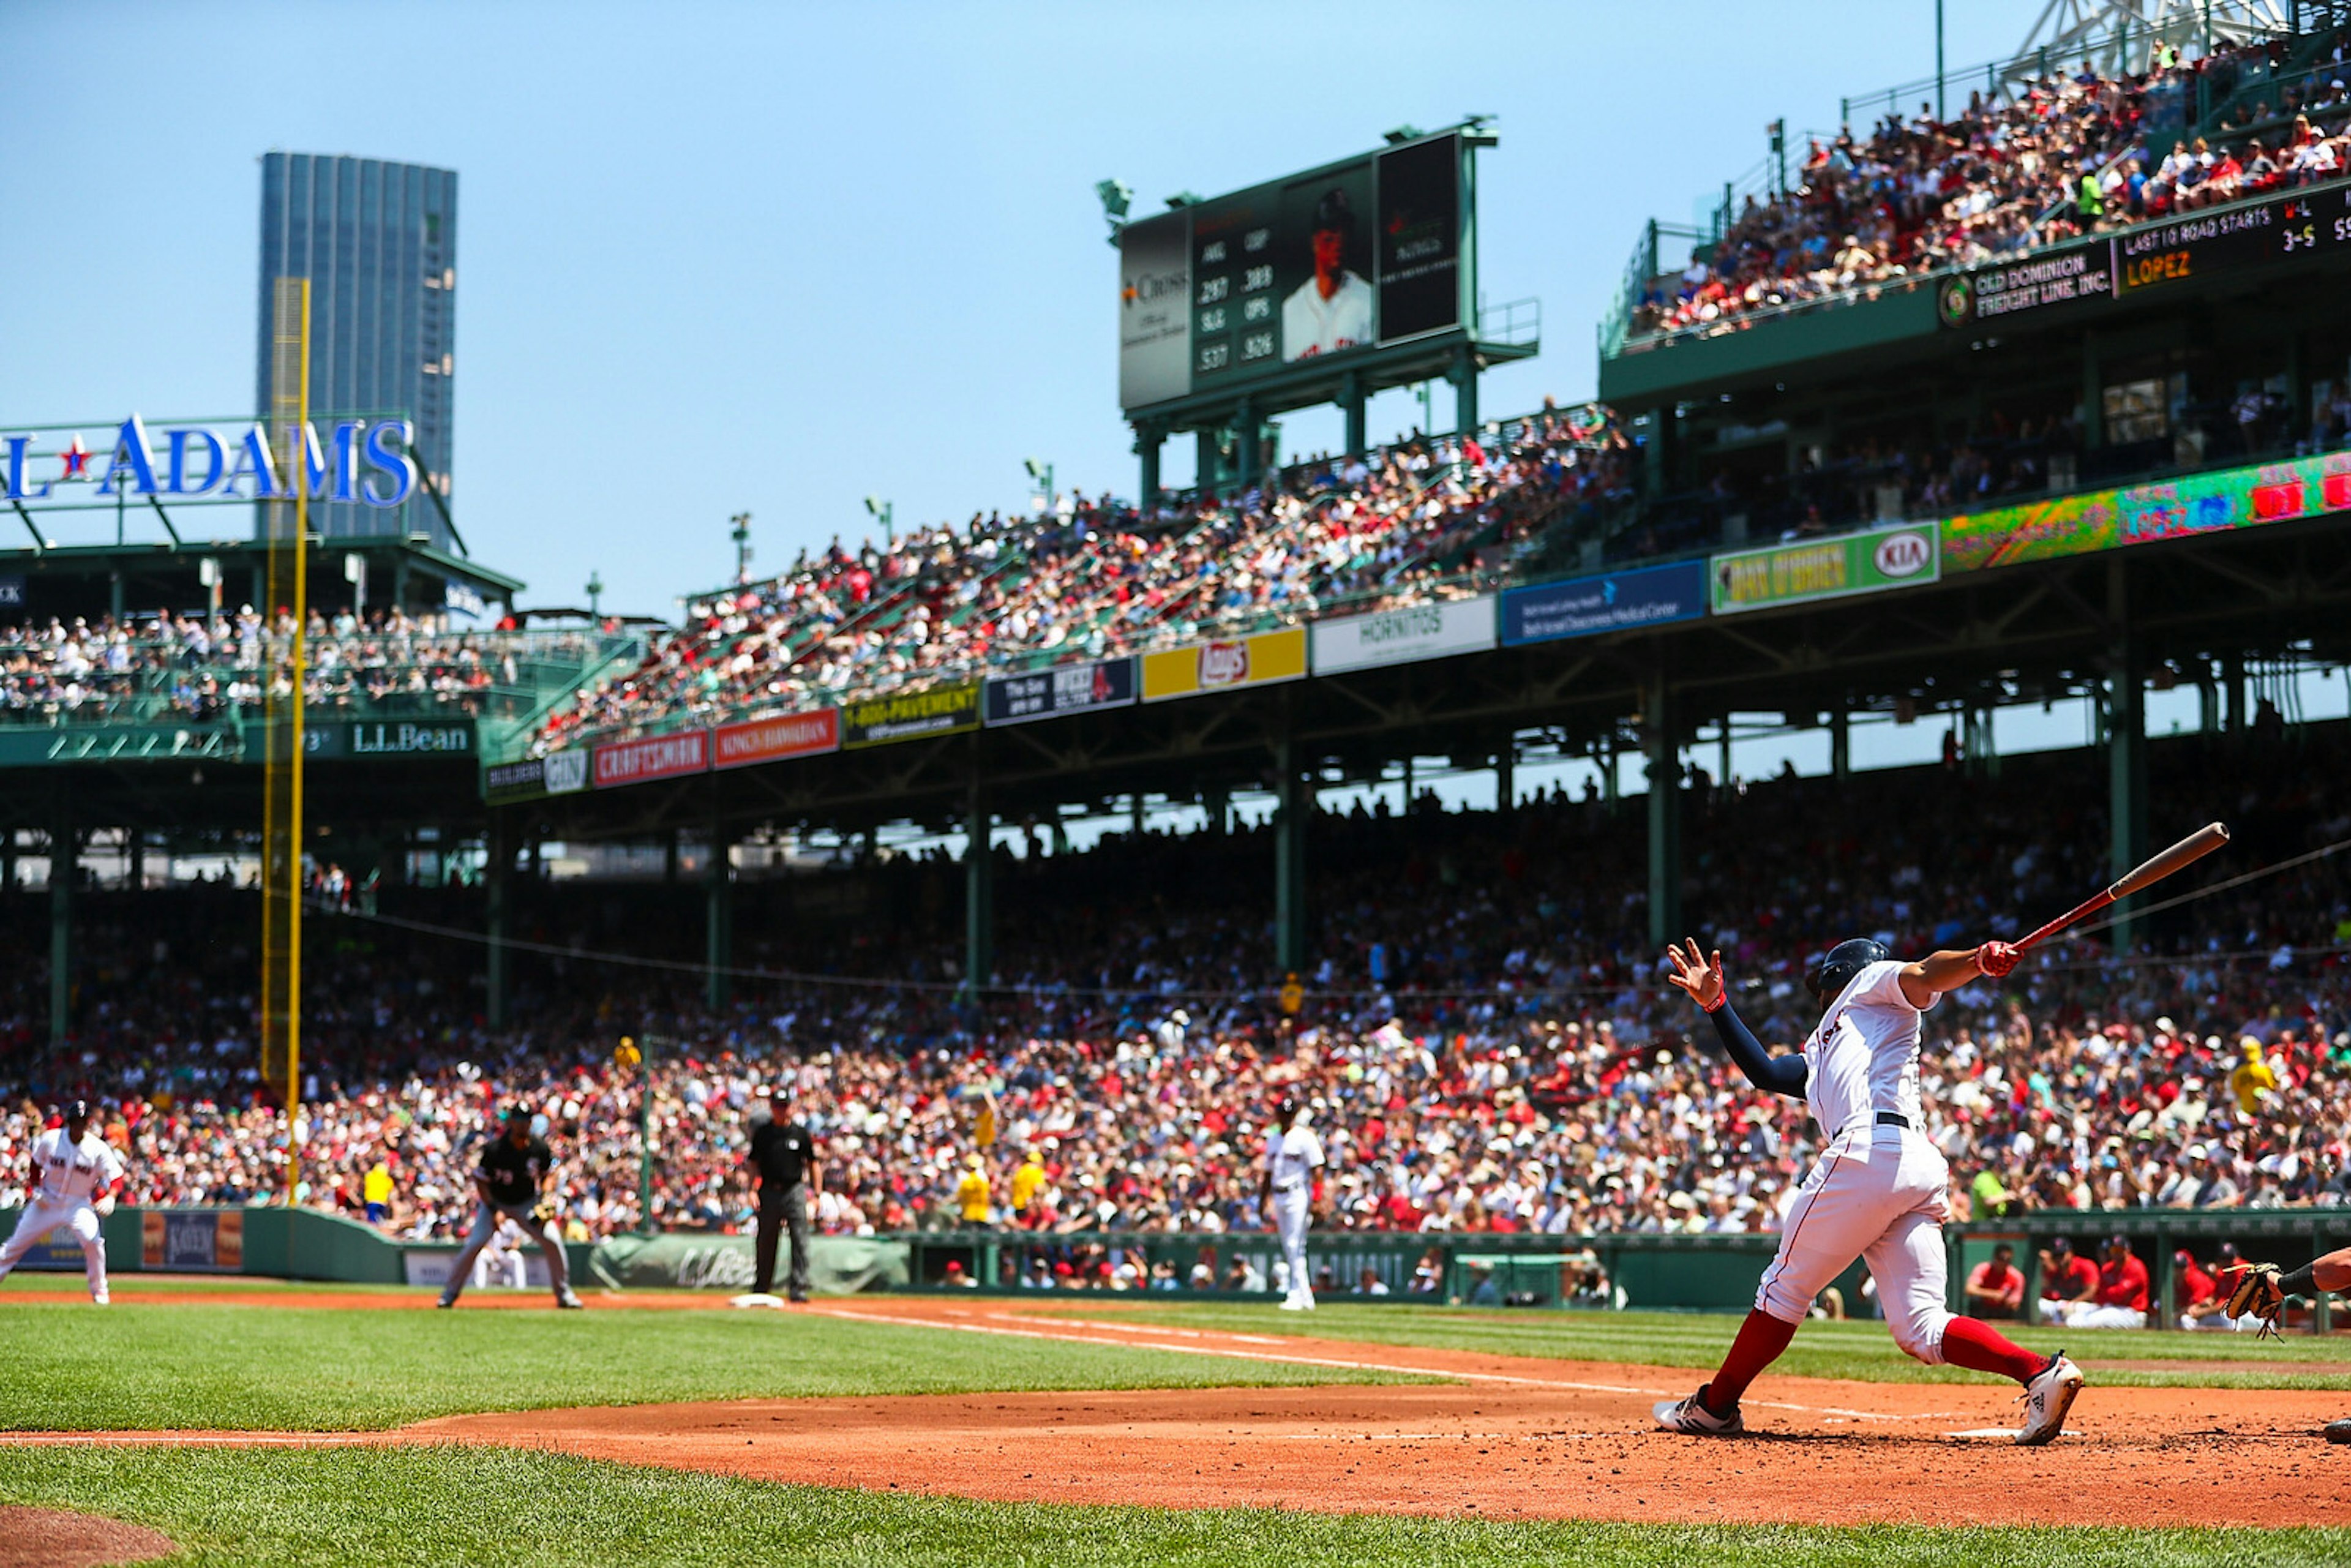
x=1237 y=290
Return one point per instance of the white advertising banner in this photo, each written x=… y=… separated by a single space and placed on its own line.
x=1406 y=636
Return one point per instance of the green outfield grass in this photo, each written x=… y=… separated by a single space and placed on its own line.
x=55 y=1282
x=253 y=1367
x=1859 y=1349
x=503 y=1508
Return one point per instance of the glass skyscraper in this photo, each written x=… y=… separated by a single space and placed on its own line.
x=379 y=243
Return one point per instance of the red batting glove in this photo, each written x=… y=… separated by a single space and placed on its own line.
x=1997 y=959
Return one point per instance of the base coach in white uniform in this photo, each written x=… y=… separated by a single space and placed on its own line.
x=75 y=1177
x=1878 y=1189
x=1292 y=1154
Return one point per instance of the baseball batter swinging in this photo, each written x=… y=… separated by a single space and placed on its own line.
x=1877 y=1191
x=76 y=1175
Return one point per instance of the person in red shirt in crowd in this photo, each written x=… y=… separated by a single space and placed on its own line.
x=2120 y=1301
x=2068 y=1282
x=1996 y=1286
x=2195 y=1295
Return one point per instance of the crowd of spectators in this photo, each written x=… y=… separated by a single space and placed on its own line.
x=1484 y=1033
x=182 y=667
x=2059 y=157
x=1422 y=521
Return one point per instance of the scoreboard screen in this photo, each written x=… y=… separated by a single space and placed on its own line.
x=2235 y=239
x=1232 y=291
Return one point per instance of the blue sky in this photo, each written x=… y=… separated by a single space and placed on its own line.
x=724 y=257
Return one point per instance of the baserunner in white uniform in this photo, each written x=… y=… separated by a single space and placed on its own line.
x=1877 y=1191
x=75 y=1177
x=1292 y=1154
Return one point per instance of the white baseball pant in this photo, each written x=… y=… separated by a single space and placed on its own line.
x=1877 y=1193
x=1290 y=1211
x=45 y=1215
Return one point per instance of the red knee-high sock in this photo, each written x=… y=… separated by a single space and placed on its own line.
x=1760 y=1339
x=1979 y=1347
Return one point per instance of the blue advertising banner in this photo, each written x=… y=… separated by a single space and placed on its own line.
x=1619 y=602
x=1064 y=689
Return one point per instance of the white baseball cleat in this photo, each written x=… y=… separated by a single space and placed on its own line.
x=100 y=1299
x=1691 y=1415
x=2046 y=1399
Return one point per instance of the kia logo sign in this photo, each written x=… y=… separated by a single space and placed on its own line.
x=1224 y=664
x=1904 y=554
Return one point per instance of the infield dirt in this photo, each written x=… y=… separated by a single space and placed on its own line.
x=1515 y=1438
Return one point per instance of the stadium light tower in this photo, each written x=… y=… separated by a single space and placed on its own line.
x=1117 y=196
x=886 y=511
x=1041 y=475
x=595 y=593
x=2118 y=35
x=741 y=534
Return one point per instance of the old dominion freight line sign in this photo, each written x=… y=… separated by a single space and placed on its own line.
x=69 y=467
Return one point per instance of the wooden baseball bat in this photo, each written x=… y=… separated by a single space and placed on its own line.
x=2184 y=853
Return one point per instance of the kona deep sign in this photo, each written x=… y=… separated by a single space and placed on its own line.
x=365 y=461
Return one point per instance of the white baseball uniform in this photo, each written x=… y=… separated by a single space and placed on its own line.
x=1877 y=1191
x=72 y=1176
x=1292 y=1158
x=1314 y=324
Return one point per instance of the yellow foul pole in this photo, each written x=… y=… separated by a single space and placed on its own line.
x=282 y=836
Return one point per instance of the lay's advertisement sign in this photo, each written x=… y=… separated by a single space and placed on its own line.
x=1201 y=667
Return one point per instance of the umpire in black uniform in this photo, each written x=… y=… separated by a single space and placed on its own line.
x=785 y=1157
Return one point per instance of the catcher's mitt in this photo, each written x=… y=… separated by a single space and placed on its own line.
x=2255 y=1293
x=543 y=1213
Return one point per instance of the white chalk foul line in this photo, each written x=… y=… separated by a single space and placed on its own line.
x=1092 y=1328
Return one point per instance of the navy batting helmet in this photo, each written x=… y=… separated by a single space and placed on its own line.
x=74 y=1111
x=1286 y=1108
x=1840 y=964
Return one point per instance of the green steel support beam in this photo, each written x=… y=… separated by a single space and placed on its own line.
x=1465 y=391
x=1350 y=402
x=1658 y=735
x=497 y=875
x=979 y=889
x=718 y=921
x=2125 y=746
x=62 y=860
x=1293 y=802
x=1148 y=438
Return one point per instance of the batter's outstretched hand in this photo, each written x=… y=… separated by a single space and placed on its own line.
x=1997 y=959
x=1696 y=973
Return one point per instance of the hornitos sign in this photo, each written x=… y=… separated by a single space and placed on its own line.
x=61 y=467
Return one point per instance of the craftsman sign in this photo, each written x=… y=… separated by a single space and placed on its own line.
x=910 y=716
x=1064 y=689
x=656 y=756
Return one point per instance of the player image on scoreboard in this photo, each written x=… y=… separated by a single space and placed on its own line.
x=1328 y=305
